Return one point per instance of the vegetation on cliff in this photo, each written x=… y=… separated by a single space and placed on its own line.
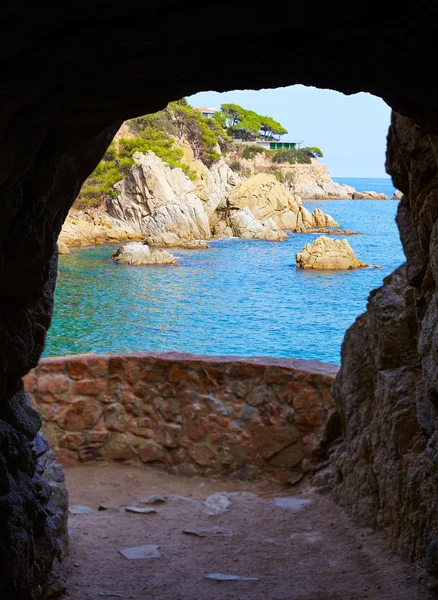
x=244 y=124
x=208 y=138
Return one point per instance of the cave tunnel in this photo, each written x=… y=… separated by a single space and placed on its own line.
x=71 y=74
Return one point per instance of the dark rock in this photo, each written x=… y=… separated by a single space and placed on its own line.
x=56 y=122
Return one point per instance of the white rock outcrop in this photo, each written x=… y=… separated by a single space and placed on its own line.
x=369 y=196
x=138 y=254
x=63 y=248
x=155 y=199
x=326 y=253
x=93 y=226
x=213 y=187
x=320 y=219
x=267 y=198
x=244 y=224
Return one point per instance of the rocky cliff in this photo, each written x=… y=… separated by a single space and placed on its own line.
x=168 y=209
x=387 y=388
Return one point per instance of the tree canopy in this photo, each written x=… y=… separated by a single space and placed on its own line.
x=247 y=124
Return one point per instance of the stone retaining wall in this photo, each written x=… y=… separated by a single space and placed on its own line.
x=189 y=414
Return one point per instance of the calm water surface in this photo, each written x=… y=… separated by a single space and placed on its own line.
x=239 y=297
x=382 y=185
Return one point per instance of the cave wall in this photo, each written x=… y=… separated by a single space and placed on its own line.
x=387 y=388
x=71 y=73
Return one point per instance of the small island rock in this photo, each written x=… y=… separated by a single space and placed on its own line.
x=63 y=248
x=325 y=253
x=137 y=254
x=369 y=196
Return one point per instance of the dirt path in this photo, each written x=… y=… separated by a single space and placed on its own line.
x=313 y=553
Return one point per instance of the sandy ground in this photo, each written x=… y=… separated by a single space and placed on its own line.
x=314 y=553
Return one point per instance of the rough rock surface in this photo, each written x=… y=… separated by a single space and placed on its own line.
x=214 y=185
x=90 y=227
x=63 y=248
x=155 y=200
x=191 y=414
x=369 y=196
x=326 y=253
x=50 y=470
x=138 y=254
x=386 y=390
x=59 y=116
x=244 y=224
x=267 y=198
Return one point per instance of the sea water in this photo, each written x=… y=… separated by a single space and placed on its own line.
x=239 y=297
x=382 y=185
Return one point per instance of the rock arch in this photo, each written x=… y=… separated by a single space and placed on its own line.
x=71 y=74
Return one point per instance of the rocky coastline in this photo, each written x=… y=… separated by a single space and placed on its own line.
x=163 y=207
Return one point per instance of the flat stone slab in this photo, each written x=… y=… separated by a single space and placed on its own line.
x=80 y=509
x=108 y=507
x=292 y=503
x=143 y=510
x=216 y=503
x=208 y=531
x=140 y=552
x=225 y=577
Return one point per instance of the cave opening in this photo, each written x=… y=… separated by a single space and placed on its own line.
x=58 y=118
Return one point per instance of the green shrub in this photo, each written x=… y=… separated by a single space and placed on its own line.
x=288 y=177
x=235 y=166
x=249 y=151
x=295 y=156
x=278 y=176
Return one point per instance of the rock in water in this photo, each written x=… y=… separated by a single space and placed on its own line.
x=63 y=248
x=244 y=224
x=269 y=200
x=369 y=196
x=325 y=253
x=138 y=254
x=320 y=219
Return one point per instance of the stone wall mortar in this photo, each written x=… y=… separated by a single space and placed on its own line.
x=188 y=414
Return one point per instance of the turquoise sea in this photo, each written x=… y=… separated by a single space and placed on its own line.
x=238 y=297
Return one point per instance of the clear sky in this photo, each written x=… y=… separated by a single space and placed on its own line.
x=350 y=130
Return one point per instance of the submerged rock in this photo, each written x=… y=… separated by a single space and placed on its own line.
x=137 y=254
x=325 y=253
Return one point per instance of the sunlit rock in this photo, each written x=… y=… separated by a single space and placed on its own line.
x=137 y=254
x=326 y=253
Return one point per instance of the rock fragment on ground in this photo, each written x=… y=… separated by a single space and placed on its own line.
x=216 y=503
x=138 y=254
x=208 y=531
x=329 y=254
x=293 y=503
x=143 y=510
x=140 y=552
x=80 y=509
x=226 y=577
